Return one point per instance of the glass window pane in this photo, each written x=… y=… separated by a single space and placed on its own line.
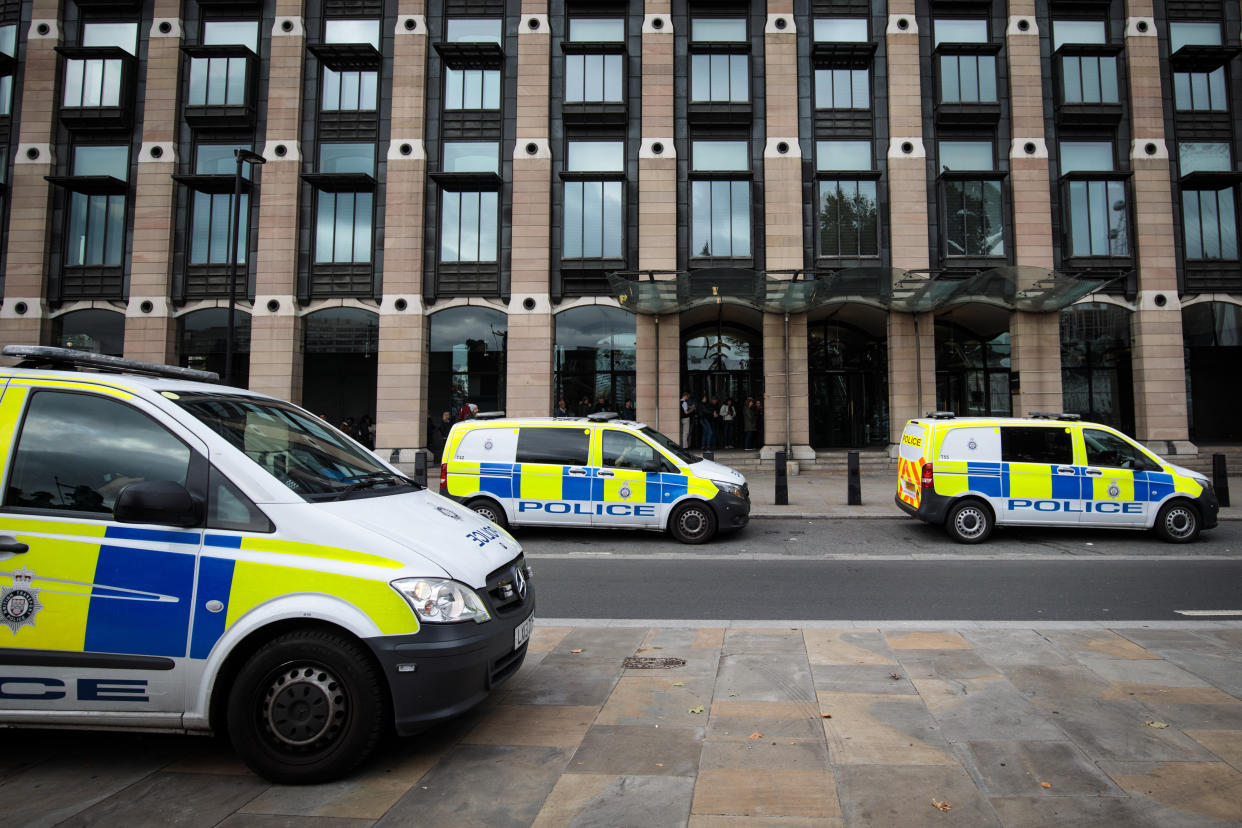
x=823 y=89
x=491 y=89
x=1216 y=86
x=473 y=30
x=575 y=87
x=861 y=88
x=1094 y=156
x=218 y=159
x=232 y=33
x=362 y=226
x=613 y=75
x=349 y=90
x=343 y=250
x=701 y=216
x=1109 y=90
x=613 y=221
x=116 y=231
x=593 y=79
x=841 y=30
x=76 y=253
x=1080 y=217
x=1193 y=34
x=121 y=35
x=740 y=212
x=454 y=87
x=470 y=227
x=1211 y=225
x=1227 y=210
x=1071 y=78
x=200 y=228
x=842 y=86
x=867 y=213
x=450 y=227
x=113 y=161
x=968 y=77
x=92 y=83
x=1091 y=80
x=1197 y=157
x=367 y=90
x=236 y=93
x=842 y=155
x=720 y=155
x=471 y=156
x=960 y=31
x=597 y=29
x=993 y=225
x=592 y=219
x=96 y=229
x=74 y=71
x=987 y=79
x=1192 y=224
x=1181 y=90
x=352 y=31
x=217 y=81
x=966 y=155
x=325 y=227
x=1077 y=31
x=8 y=40
x=950 y=81
x=488 y=218
x=607 y=156
x=198 y=81
x=739 y=78
x=572 y=244
x=1119 y=223
x=220 y=207
x=347 y=158
x=720 y=77
x=722 y=226
x=700 y=77
x=715 y=29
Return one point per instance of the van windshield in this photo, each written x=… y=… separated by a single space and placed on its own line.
x=669 y=446
x=300 y=451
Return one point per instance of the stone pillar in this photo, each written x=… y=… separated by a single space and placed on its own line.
x=911 y=341
x=276 y=335
x=528 y=355
x=785 y=410
x=23 y=315
x=658 y=356
x=401 y=384
x=150 y=334
x=1035 y=338
x=1158 y=360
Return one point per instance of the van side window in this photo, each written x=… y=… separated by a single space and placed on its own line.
x=625 y=451
x=228 y=508
x=1105 y=449
x=553 y=446
x=76 y=452
x=1036 y=444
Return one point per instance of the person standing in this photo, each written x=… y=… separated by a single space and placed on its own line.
x=727 y=413
x=561 y=410
x=687 y=410
x=750 y=422
x=704 y=413
x=627 y=411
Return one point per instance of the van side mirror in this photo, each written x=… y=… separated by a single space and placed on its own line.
x=157 y=501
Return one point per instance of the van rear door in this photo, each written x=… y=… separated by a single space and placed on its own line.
x=910 y=458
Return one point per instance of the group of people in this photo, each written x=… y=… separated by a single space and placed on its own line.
x=712 y=424
x=362 y=430
x=585 y=407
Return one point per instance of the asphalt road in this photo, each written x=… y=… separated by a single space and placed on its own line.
x=872 y=570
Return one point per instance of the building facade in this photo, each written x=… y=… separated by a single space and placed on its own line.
x=853 y=211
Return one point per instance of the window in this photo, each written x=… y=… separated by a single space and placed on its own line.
x=65 y=461
x=1037 y=444
x=1085 y=78
x=343 y=219
x=841 y=30
x=471 y=156
x=229 y=508
x=622 y=450
x=221 y=81
x=594 y=356
x=595 y=78
x=466 y=359
x=554 y=446
x=8 y=45
x=471 y=89
x=1193 y=34
x=473 y=30
x=352 y=31
x=209 y=235
x=965 y=78
x=842 y=88
x=1094 y=202
x=1107 y=449
x=96 y=234
x=719 y=77
x=593 y=208
x=351 y=90
x=973 y=208
x=469 y=218
x=1200 y=91
x=847 y=209
x=720 y=207
x=1209 y=215
x=96 y=82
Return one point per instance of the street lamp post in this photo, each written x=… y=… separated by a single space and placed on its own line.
x=248 y=157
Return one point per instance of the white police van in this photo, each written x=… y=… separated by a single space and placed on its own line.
x=181 y=556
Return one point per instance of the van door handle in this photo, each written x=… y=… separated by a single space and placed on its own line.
x=1066 y=470
x=1094 y=472
x=578 y=472
x=13 y=545
x=603 y=473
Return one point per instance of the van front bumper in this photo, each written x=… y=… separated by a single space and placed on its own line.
x=443 y=670
x=732 y=512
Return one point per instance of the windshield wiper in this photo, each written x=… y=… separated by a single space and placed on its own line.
x=366 y=481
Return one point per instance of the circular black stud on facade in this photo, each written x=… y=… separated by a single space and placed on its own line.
x=165 y=27
x=43 y=29
x=406 y=149
x=1024 y=25
x=533 y=24
x=903 y=23
x=400 y=304
x=32 y=153
x=146 y=306
x=657 y=23
x=157 y=152
x=286 y=25
x=657 y=148
x=273 y=305
x=781 y=23
x=1029 y=148
x=528 y=303
x=281 y=150
x=907 y=147
x=20 y=309
x=1141 y=26
x=782 y=147
x=1150 y=148
x=1161 y=300
x=532 y=148
x=410 y=24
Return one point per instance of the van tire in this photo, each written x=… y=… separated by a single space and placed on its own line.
x=693 y=522
x=489 y=509
x=969 y=521
x=1177 y=522
x=309 y=706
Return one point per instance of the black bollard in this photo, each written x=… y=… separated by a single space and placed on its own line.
x=782 y=481
x=420 y=468
x=1220 y=479
x=853 y=482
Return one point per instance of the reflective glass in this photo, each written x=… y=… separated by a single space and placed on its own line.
x=232 y=33
x=842 y=155
x=1193 y=34
x=468 y=232
x=347 y=158
x=961 y=31
x=113 y=161
x=121 y=35
x=966 y=155
x=1203 y=157
x=841 y=30
x=8 y=40
x=1094 y=156
x=847 y=218
x=1210 y=221
x=592 y=219
x=720 y=155
x=720 y=218
x=471 y=156
x=471 y=89
x=842 y=89
x=352 y=31
x=1077 y=31
x=473 y=30
x=704 y=29
x=6 y=105
x=218 y=159
x=603 y=156
x=596 y=29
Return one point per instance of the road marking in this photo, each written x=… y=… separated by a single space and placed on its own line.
x=1208 y=612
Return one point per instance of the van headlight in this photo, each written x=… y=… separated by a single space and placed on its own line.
x=441 y=601
x=729 y=488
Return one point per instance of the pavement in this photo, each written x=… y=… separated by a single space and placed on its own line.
x=712 y=725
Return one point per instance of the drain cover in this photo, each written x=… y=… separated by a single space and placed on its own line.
x=644 y=663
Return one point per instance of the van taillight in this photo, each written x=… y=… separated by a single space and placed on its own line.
x=927 y=475
x=443 y=475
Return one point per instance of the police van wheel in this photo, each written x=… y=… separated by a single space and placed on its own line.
x=489 y=509
x=1178 y=522
x=693 y=523
x=969 y=522
x=307 y=707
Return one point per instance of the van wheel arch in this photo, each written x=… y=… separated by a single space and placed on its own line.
x=490 y=509
x=1178 y=521
x=692 y=521
x=970 y=520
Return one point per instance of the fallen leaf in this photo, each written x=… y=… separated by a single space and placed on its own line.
x=793 y=743
x=575 y=651
x=698 y=709
x=944 y=806
x=756 y=735
x=676 y=683
x=1045 y=785
x=893 y=676
x=658 y=764
x=1155 y=724
x=826 y=715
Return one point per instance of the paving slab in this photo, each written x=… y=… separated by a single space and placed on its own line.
x=588 y=800
x=899 y=796
x=163 y=799
x=639 y=751
x=1018 y=768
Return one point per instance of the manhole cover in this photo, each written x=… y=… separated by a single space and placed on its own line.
x=643 y=663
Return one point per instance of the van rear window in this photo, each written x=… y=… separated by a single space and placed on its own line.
x=1036 y=444
x=553 y=446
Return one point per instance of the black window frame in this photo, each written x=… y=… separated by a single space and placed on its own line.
x=560 y=448
x=949 y=177
x=1047 y=453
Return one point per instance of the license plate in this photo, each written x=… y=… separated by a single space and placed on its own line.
x=522 y=633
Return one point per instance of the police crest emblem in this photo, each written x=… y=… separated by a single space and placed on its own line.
x=1114 y=490
x=19 y=604
x=625 y=491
